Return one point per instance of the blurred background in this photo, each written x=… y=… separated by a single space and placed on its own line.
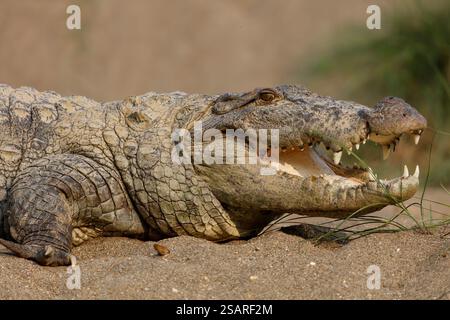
x=210 y=46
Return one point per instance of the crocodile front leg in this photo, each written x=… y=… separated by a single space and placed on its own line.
x=63 y=200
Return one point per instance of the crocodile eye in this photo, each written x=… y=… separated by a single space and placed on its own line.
x=267 y=96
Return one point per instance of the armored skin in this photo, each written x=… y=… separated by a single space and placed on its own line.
x=72 y=168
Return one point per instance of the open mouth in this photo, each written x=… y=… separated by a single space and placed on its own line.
x=316 y=160
x=308 y=178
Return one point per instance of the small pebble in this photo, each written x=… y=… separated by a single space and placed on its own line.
x=162 y=250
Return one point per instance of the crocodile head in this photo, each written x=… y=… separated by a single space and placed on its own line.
x=309 y=180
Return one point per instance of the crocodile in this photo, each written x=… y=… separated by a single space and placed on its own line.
x=72 y=169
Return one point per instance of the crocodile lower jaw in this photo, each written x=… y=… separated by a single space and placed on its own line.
x=312 y=163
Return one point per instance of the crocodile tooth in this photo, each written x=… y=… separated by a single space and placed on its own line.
x=364 y=141
x=283 y=149
x=349 y=150
x=293 y=148
x=301 y=148
x=337 y=157
x=416 y=138
x=386 y=151
x=357 y=146
x=405 y=172
x=416 y=173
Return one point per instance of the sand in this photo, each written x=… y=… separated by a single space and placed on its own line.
x=413 y=265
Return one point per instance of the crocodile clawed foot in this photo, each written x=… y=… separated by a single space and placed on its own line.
x=309 y=231
x=45 y=255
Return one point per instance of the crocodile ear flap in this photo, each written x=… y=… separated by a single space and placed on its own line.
x=227 y=102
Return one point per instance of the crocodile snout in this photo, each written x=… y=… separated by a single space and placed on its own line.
x=392 y=116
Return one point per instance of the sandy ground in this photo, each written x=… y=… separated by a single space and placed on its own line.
x=273 y=266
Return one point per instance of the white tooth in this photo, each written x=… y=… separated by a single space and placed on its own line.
x=416 y=138
x=292 y=148
x=386 y=151
x=357 y=146
x=283 y=150
x=364 y=141
x=416 y=173
x=337 y=157
x=349 y=151
x=405 y=172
